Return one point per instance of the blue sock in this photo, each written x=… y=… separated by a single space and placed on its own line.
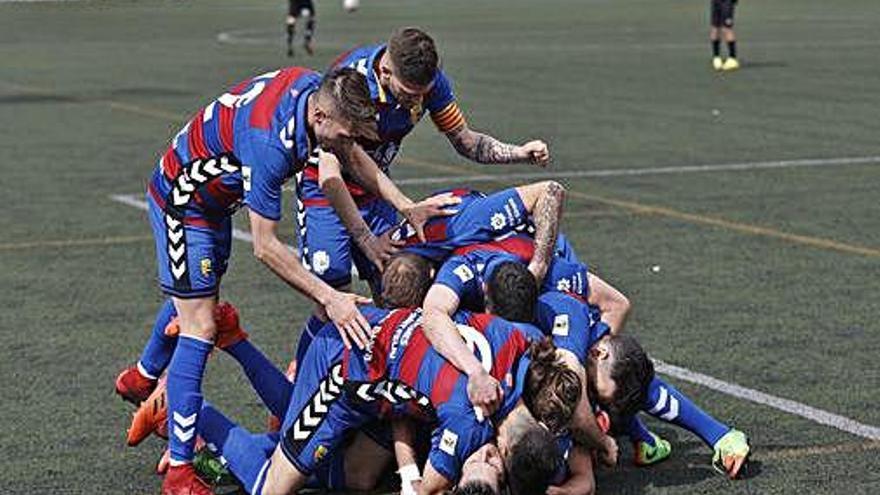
x=270 y=383
x=185 y=395
x=157 y=353
x=670 y=405
x=313 y=325
x=246 y=455
x=638 y=432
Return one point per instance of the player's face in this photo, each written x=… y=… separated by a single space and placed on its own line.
x=330 y=130
x=407 y=94
x=484 y=465
x=599 y=372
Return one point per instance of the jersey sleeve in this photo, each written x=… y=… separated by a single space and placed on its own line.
x=458 y=275
x=457 y=436
x=441 y=94
x=566 y=276
x=567 y=321
x=264 y=171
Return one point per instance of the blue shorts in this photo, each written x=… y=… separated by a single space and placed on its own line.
x=328 y=250
x=320 y=413
x=192 y=254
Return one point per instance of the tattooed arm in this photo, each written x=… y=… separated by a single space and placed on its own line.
x=544 y=200
x=483 y=148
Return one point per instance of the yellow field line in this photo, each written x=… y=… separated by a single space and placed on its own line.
x=101 y=241
x=801 y=452
x=633 y=206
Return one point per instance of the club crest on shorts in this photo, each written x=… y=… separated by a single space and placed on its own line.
x=205 y=266
x=320 y=453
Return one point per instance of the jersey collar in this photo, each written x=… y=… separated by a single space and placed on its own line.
x=377 y=92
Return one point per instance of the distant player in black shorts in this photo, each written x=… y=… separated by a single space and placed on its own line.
x=295 y=10
x=722 y=23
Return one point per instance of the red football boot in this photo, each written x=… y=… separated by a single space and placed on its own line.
x=133 y=386
x=229 y=329
x=151 y=417
x=182 y=480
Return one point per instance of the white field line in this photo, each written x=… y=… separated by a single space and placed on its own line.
x=135 y=201
x=623 y=172
x=796 y=408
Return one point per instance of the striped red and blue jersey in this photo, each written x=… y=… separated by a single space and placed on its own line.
x=408 y=376
x=239 y=149
x=394 y=121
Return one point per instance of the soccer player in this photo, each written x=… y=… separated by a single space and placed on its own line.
x=399 y=373
x=721 y=20
x=346 y=203
x=239 y=149
x=577 y=327
x=297 y=9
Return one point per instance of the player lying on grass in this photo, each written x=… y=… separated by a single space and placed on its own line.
x=480 y=218
x=339 y=389
x=576 y=317
x=239 y=149
x=578 y=330
x=346 y=203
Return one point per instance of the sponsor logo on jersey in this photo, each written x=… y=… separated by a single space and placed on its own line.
x=560 y=325
x=320 y=262
x=463 y=272
x=448 y=442
x=498 y=221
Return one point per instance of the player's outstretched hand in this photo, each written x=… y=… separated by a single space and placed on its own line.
x=343 y=312
x=485 y=393
x=379 y=249
x=535 y=152
x=435 y=206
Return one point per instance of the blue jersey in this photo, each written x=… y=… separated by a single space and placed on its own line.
x=471 y=267
x=402 y=371
x=573 y=324
x=395 y=121
x=239 y=149
x=478 y=219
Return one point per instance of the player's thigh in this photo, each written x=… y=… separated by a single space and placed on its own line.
x=282 y=477
x=325 y=245
x=367 y=457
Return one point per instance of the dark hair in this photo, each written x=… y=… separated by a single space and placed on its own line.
x=552 y=389
x=475 y=487
x=414 y=56
x=405 y=281
x=532 y=462
x=348 y=90
x=632 y=372
x=512 y=292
